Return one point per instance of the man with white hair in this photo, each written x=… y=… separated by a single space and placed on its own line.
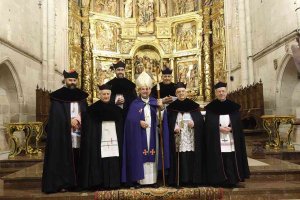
x=226 y=155
x=101 y=146
x=187 y=147
x=141 y=152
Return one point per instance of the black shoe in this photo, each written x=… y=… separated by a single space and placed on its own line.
x=155 y=185
x=137 y=186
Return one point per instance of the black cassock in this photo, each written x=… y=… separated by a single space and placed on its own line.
x=165 y=90
x=191 y=163
x=126 y=88
x=96 y=172
x=231 y=167
x=61 y=160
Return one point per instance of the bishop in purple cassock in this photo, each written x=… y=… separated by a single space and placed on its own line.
x=141 y=149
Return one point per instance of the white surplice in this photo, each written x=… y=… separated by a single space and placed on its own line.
x=226 y=139
x=150 y=168
x=109 y=140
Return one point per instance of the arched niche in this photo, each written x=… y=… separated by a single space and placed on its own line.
x=288 y=87
x=11 y=92
x=146 y=58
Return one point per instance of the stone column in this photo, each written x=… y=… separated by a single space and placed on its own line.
x=228 y=35
x=50 y=43
x=249 y=42
x=296 y=140
x=243 y=43
x=45 y=45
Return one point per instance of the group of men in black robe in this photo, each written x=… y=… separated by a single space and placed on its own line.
x=129 y=138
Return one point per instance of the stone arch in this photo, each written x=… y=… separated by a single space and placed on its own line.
x=11 y=91
x=146 y=58
x=143 y=45
x=287 y=87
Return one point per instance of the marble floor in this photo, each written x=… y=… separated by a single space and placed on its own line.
x=271 y=178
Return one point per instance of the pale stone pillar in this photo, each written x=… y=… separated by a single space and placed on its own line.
x=45 y=45
x=243 y=43
x=51 y=42
x=228 y=30
x=249 y=42
x=4 y=149
x=297 y=131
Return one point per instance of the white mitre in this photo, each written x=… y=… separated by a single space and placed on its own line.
x=144 y=80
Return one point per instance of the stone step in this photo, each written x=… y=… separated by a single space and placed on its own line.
x=264 y=190
x=9 y=170
x=272 y=169
x=20 y=161
x=29 y=177
x=12 y=165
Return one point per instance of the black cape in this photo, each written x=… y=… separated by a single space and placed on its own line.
x=59 y=164
x=215 y=168
x=192 y=163
x=165 y=90
x=125 y=87
x=94 y=171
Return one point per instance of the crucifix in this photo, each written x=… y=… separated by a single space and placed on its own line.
x=145 y=152
x=152 y=152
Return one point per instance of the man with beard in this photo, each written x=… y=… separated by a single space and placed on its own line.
x=186 y=127
x=101 y=144
x=63 y=136
x=122 y=90
x=141 y=151
x=226 y=160
x=167 y=88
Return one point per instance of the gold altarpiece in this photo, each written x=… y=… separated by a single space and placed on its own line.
x=185 y=35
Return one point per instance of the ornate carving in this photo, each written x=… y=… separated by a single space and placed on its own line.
x=146 y=16
x=126 y=46
x=219 y=62
x=103 y=72
x=271 y=124
x=186 y=36
x=208 y=75
x=218 y=38
x=197 y=34
x=163 y=8
x=166 y=45
x=146 y=60
x=33 y=132
x=128 y=8
x=75 y=51
x=105 y=6
x=87 y=54
x=187 y=72
x=184 y=6
x=104 y=36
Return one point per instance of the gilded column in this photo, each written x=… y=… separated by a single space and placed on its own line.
x=207 y=67
x=218 y=40
x=87 y=70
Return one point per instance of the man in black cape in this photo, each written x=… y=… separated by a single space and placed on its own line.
x=122 y=90
x=101 y=144
x=167 y=88
x=227 y=162
x=63 y=136
x=186 y=140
